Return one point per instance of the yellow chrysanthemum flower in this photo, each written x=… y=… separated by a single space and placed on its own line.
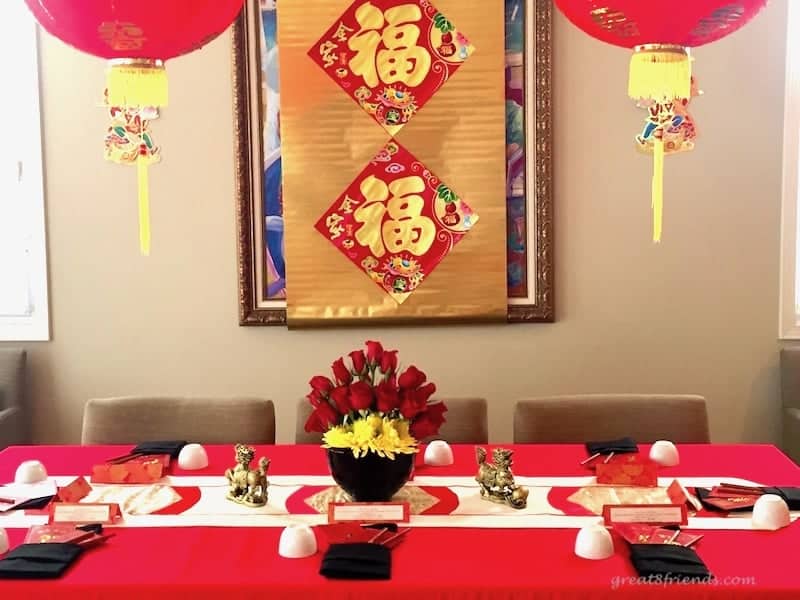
x=372 y=433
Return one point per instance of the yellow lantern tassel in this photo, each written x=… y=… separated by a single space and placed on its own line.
x=137 y=82
x=660 y=72
x=658 y=187
x=144 y=204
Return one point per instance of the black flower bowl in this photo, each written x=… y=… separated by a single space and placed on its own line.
x=371 y=478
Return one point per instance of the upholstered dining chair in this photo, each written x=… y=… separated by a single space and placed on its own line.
x=133 y=419
x=466 y=422
x=14 y=413
x=580 y=418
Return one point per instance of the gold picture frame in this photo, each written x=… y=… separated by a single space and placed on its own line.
x=532 y=301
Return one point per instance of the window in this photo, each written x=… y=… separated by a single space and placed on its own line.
x=23 y=265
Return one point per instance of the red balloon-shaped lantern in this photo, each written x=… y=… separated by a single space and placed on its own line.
x=661 y=35
x=137 y=36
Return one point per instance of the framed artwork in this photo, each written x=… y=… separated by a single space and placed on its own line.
x=260 y=243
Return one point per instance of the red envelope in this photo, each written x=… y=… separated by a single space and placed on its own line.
x=346 y=532
x=631 y=470
x=142 y=469
x=678 y=494
x=75 y=491
x=638 y=533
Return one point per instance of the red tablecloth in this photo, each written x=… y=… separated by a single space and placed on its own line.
x=216 y=562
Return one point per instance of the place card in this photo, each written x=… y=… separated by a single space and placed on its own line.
x=383 y=512
x=69 y=512
x=655 y=514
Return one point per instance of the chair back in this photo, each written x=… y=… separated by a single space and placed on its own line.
x=131 y=419
x=14 y=412
x=790 y=397
x=466 y=422
x=596 y=417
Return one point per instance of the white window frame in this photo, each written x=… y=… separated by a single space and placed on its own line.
x=35 y=325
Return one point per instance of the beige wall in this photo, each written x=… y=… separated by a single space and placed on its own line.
x=697 y=313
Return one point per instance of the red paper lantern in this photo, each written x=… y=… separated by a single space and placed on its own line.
x=137 y=36
x=660 y=34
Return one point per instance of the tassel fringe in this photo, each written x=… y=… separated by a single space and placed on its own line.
x=658 y=188
x=660 y=72
x=137 y=84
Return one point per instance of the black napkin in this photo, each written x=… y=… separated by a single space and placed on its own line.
x=790 y=494
x=171 y=447
x=668 y=563
x=702 y=495
x=34 y=503
x=357 y=561
x=619 y=446
x=39 y=561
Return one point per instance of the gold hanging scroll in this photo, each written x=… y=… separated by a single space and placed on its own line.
x=328 y=139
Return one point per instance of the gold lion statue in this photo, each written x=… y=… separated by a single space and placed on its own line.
x=496 y=480
x=248 y=487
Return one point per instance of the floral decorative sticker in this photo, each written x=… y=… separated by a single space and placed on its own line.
x=391 y=57
x=396 y=221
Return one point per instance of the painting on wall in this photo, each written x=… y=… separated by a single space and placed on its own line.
x=529 y=205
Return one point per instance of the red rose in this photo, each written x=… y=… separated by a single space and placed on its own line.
x=341 y=398
x=389 y=361
x=411 y=403
x=341 y=372
x=411 y=378
x=315 y=398
x=426 y=391
x=361 y=395
x=321 y=384
x=428 y=422
x=374 y=352
x=388 y=396
x=359 y=361
x=321 y=418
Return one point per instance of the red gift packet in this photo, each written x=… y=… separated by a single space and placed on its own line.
x=627 y=469
x=678 y=494
x=639 y=533
x=141 y=469
x=75 y=491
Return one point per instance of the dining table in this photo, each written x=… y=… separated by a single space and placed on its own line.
x=458 y=546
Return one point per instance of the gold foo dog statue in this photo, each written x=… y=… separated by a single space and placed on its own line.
x=248 y=487
x=497 y=481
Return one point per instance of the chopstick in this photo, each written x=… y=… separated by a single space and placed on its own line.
x=674 y=537
x=591 y=458
x=608 y=458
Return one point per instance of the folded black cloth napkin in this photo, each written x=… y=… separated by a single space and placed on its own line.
x=619 y=446
x=357 y=561
x=668 y=563
x=39 y=561
x=790 y=494
x=171 y=447
x=38 y=503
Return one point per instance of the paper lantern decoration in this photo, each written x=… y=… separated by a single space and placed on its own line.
x=136 y=36
x=660 y=35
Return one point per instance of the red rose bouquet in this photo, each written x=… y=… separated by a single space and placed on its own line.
x=368 y=406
